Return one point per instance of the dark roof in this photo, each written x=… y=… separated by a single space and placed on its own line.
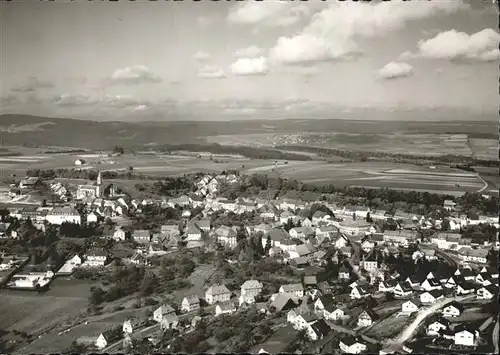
x=350 y=340
x=371 y=313
x=436 y=293
x=321 y=328
x=457 y=305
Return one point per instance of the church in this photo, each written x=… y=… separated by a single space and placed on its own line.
x=90 y=191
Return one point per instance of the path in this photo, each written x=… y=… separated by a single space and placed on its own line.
x=483 y=181
x=422 y=315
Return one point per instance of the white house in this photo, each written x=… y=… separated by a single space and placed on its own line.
x=92 y=217
x=217 y=293
x=434 y=328
x=351 y=345
x=358 y=293
x=431 y=296
x=403 y=289
x=227 y=307
x=466 y=336
x=454 y=309
x=411 y=306
x=163 y=311
x=296 y=290
x=169 y=321
x=366 y=318
x=190 y=303
x=193 y=232
x=251 y=288
x=96 y=257
x=130 y=325
x=487 y=292
x=431 y=284
x=60 y=215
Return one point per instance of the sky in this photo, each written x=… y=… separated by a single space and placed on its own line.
x=246 y=59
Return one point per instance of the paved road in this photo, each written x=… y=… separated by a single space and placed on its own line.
x=484 y=182
x=408 y=332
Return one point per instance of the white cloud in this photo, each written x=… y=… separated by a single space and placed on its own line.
x=480 y=46
x=32 y=85
x=394 y=70
x=248 y=52
x=202 y=56
x=250 y=66
x=272 y=13
x=211 y=72
x=9 y=100
x=74 y=100
x=332 y=33
x=122 y=101
x=133 y=75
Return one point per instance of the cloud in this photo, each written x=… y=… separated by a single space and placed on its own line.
x=394 y=70
x=123 y=101
x=68 y=100
x=453 y=45
x=202 y=56
x=133 y=75
x=9 y=100
x=332 y=32
x=248 y=52
x=32 y=85
x=250 y=66
x=211 y=72
x=271 y=13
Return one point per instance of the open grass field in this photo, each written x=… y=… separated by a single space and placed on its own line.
x=387 y=327
x=34 y=313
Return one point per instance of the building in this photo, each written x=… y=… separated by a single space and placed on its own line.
x=163 y=311
x=466 y=335
x=226 y=307
x=251 y=288
x=410 y=306
x=352 y=345
x=190 y=303
x=431 y=284
x=60 y=215
x=296 y=290
x=487 y=292
x=193 y=232
x=403 y=289
x=431 y=296
x=454 y=309
x=435 y=327
x=96 y=257
x=358 y=292
x=91 y=190
x=142 y=236
x=119 y=234
x=366 y=318
x=30 y=183
x=130 y=325
x=106 y=338
x=169 y=321
x=217 y=293
x=400 y=237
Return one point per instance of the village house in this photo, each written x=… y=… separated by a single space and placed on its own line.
x=370 y=264
x=96 y=257
x=493 y=271
x=163 y=311
x=142 y=236
x=283 y=302
x=487 y=292
x=341 y=242
x=226 y=236
x=193 y=232
x=366 y=318
x=106 y=338
x=225 y=307
x=431 y=284
x=320 y=216
x=318 y=330
x=30 y=183
x=217 y=293
x=60 y=215
x=358 y=292
x=454 y=309
x=277 y=236
x=346 y=251
x=403 y=289
x=474 y=255
x=436 y=326
x=301 y=233
x=303 y=320
x=130 y=325
x=465 y=288
x=446 y=240
x=411 y=306
x=387 y=286
x=296 y=290
x=454 y=281
x=119 y=234
x=169 y=321
x=466 y=335
x=449 y=205
x=352 y=345
x=251 y=288
x=286 y=216
x=190 y=303
x=355 y=227
x=301 y=250
x=93 y=217
x=268 y=212
x=431 y=296
x=344 y=273
x=400 y=237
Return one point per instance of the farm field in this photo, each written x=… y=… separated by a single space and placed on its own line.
x=397 y=142
x=387 y=327
x=369 y=174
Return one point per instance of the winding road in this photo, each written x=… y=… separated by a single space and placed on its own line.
x=484 y=182
x=408 y=332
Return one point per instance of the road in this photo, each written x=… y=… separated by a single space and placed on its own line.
x=496 y=329
x=484 y=182
x=408 y=332
x=446 y=257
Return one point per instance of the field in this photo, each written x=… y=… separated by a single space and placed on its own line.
x=368 y=174
x=387 y=327
x=398 y=142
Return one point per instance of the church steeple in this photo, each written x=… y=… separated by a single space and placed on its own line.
x=99 y=179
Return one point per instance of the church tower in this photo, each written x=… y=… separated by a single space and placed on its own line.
x=99 y=184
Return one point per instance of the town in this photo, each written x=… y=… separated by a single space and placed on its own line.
x=249 y=264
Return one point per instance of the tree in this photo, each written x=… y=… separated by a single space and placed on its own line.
x=268 y=245
x=118 y=150
x=97 y=296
